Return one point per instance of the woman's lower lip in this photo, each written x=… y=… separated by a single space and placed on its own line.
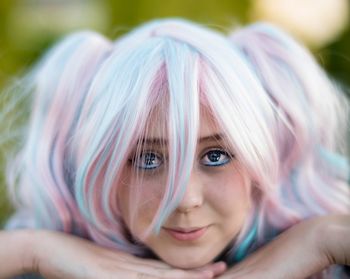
x=187 y=236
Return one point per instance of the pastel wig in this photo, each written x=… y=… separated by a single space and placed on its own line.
x=93 y=99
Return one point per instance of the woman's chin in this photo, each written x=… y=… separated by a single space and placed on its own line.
x=189 y=261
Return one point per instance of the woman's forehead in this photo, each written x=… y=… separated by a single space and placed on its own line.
x=208 y=127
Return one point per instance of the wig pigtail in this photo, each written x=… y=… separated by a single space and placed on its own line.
x=42 y=175
x=311 y=124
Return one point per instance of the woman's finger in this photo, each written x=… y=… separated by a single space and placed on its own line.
x=217 y=268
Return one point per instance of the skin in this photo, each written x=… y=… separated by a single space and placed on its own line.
x=217 y=198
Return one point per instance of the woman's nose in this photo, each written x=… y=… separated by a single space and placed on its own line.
x=193 y=197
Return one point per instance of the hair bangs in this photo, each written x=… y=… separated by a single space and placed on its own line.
x=173 y=125
x=164 y=104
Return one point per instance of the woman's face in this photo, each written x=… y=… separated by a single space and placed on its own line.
x=212 y=211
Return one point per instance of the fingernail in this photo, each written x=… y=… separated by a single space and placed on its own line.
x=219 y=267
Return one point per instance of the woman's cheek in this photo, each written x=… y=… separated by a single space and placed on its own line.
x=138 y=200
x=151 y=193
x=228 y=192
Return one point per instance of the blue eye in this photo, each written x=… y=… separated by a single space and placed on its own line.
x=147 y=160
x=215 y=158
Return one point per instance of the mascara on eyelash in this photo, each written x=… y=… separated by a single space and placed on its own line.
x=215 y=164
x=139 y=156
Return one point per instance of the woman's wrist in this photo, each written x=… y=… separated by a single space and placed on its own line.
x=335 y=239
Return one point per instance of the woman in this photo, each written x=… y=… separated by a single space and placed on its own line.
x=181 y=152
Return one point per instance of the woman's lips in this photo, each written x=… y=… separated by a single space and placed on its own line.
x=183 y=234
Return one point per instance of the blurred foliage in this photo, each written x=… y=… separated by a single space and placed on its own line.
x=337 y=59
x=28 y=27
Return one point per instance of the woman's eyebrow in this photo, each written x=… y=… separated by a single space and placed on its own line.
x=216 y=137
x=162 y=141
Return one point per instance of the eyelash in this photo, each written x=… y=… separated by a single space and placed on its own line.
x=217 y=150
x=157 y=156
x=135 y=159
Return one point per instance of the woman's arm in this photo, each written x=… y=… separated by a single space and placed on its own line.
x=15 y=253
x=303 y=250
x=59 y=255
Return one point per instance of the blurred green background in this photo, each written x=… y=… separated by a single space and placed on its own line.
x=29 y=27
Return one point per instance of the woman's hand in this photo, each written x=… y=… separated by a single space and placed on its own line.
x=58 y=255
x=303 y=250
